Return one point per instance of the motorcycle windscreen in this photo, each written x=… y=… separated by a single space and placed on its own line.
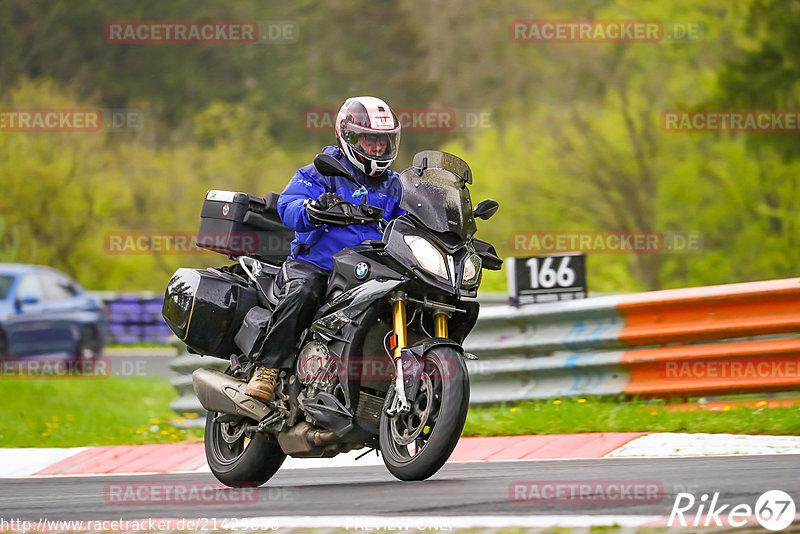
x=439 y=200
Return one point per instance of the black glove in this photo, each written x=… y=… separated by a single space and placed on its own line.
x=326 y=200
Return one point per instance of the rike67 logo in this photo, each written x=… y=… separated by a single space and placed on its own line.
x=774 y=510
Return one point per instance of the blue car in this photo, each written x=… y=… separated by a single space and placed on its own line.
x=45 y=312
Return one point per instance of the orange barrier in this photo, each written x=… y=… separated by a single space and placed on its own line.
x=673 y=318
x=750 y=366
x=708 y=313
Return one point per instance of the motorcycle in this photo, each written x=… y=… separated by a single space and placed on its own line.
x=369 y=373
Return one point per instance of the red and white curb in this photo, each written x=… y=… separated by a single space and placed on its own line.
x=190 y=457
x=671 y=444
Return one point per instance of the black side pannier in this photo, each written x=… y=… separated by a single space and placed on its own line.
x=206 y=307
x=251 y=335
x=238 y=224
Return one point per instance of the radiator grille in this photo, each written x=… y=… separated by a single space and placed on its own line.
x=369 y=407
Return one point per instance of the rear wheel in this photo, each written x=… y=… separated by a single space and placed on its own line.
x=238 y=457
x=415 y=445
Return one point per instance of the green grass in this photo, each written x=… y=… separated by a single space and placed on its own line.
x=70 y=412
x=573 y=415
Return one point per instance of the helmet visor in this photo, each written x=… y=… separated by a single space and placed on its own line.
x=374 y=144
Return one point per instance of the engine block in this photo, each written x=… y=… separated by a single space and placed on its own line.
x=317 y=368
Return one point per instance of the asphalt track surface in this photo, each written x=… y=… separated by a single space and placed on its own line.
x=457 y=490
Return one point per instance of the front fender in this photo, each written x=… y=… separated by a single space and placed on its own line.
x=423 y=346
x=412 y=361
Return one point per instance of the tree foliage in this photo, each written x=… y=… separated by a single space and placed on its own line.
x=576 y=144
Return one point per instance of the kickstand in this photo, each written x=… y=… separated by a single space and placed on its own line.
x=366 y=453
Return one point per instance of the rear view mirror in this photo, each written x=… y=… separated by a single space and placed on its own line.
x=485 y=209
x=327 y=165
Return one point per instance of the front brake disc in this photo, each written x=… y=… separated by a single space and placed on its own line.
x=422 y=413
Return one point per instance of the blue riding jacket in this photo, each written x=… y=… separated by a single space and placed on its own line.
x=318 y=244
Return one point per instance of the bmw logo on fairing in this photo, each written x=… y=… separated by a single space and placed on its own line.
x=362 y=270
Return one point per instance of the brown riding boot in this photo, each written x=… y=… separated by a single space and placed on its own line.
x=262 y=384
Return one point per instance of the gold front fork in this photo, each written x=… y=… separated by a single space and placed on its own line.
x=440 y=319
x=399 y=315
x=440 y=323
x=400 y=403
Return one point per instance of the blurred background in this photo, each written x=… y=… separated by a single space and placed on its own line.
x=572 y=138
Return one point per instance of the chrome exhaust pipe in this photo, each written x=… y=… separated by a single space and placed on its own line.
x=218 y=392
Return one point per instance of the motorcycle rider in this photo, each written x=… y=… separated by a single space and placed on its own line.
x=368 y=135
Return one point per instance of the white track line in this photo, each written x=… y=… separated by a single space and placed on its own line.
x=26 y=462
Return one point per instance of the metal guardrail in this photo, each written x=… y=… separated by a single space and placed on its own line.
x=716 y=340
x=135 y=318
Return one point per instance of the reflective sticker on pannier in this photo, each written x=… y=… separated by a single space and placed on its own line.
x=221 y=196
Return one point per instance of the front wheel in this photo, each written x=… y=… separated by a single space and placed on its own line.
x=415 y=445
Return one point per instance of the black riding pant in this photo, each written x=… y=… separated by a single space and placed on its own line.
x=302 y=293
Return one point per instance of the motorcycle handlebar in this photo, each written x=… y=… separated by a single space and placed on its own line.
x=344 y=214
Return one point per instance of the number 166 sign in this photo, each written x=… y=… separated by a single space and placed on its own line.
x=546 y=278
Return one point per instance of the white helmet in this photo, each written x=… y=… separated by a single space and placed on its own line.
x=369 y=134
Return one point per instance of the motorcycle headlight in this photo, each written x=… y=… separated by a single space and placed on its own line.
x=427 y=255
x=472 y=271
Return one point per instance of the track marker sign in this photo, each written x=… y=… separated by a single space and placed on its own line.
x=546 y=278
